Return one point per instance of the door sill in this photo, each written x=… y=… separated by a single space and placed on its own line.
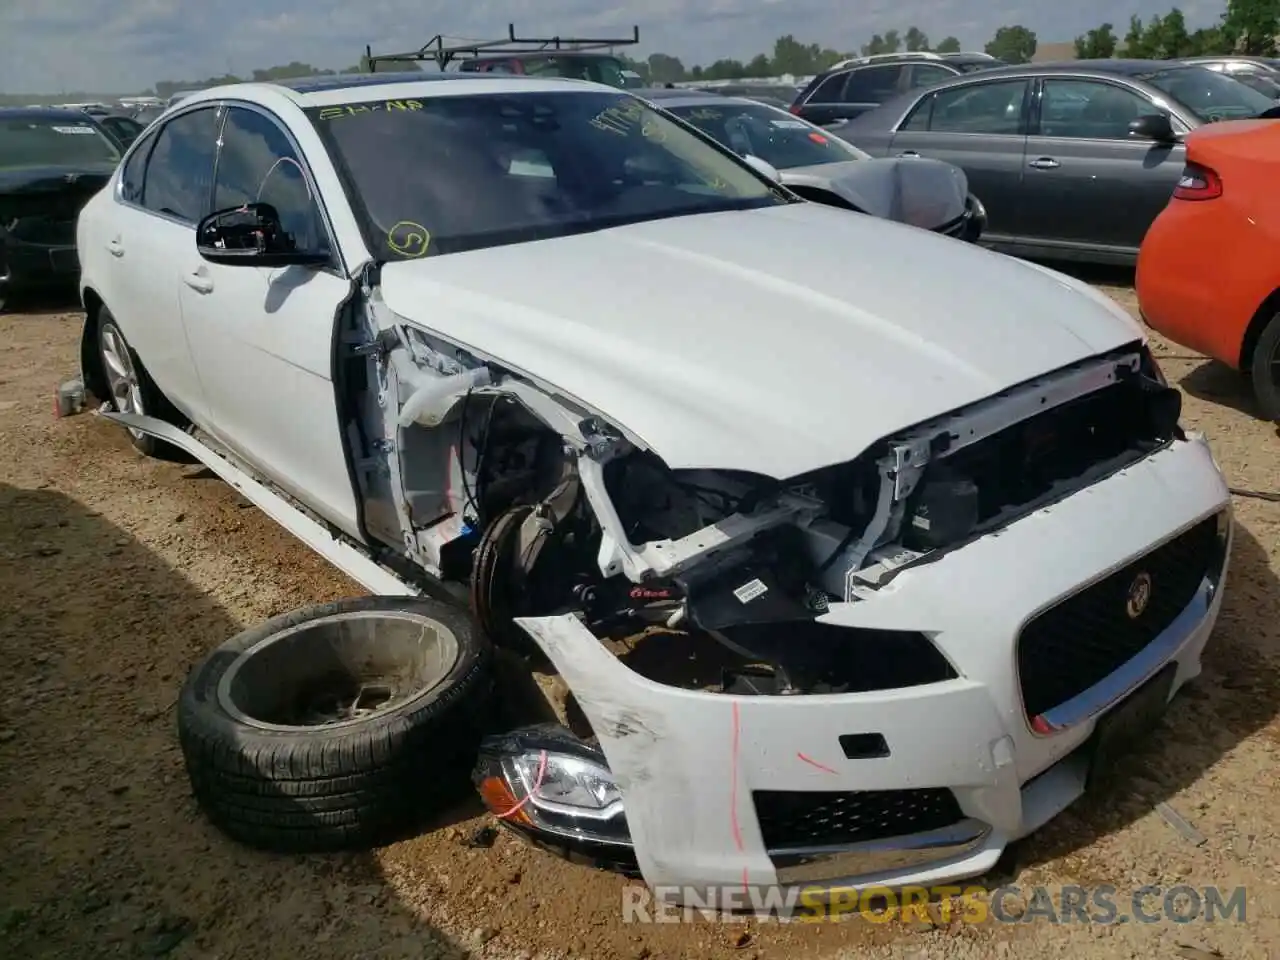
x=357 y=565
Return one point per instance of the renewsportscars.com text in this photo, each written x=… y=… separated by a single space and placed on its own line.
x=1102 y=904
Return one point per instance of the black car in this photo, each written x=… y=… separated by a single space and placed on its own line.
x=1073 y=160
x=51 y=162
x=122 y=127
x=853 y=87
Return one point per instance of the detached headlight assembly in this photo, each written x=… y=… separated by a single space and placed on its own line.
x=553 y=787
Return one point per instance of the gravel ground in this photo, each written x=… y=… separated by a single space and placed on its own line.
x=118 y=573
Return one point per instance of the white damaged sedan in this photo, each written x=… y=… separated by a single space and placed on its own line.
x=857 y=548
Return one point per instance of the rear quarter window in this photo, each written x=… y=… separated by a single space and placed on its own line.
x=830 y=90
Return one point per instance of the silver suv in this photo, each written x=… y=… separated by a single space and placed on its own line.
x=852 y=87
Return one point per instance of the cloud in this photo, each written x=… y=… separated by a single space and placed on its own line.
x=120 y=45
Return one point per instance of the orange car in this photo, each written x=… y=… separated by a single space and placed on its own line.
x=1209 y=267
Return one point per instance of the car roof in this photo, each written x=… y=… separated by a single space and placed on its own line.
x=1216 y=57
x=1126 y=68
x=906 y=57
x=43 y=113
x=359 y=87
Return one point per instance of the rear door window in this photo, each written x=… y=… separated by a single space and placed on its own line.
x=830 y=90
x=927 y=74
x=134 y=171
x=873 y=84
x=993 y=108
x=179 y=178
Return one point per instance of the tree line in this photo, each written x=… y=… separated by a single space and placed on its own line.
x=1246 y=27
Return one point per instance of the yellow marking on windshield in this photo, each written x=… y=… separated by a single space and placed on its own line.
x=620 y=119
x=409 y=239
x=379 y=106
x=651 y=130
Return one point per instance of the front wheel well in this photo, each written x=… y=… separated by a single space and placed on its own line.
x=90 y=362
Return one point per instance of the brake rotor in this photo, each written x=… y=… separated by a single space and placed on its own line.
x=495 y=592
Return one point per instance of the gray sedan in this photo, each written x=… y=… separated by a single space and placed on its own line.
x=807 y=159
x=1072 y=160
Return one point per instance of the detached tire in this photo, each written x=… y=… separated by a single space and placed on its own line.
x=337 y=726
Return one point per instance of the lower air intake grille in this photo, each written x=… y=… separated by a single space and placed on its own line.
x=792 y=819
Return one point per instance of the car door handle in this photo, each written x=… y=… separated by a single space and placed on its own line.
x=908 y=153
x=198 y=283
x=1044 y=163
x=115 y=248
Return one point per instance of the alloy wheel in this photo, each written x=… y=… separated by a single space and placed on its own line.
x=122 y=376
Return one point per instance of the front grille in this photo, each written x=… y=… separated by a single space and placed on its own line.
x=1075 y=644
x=791 y=819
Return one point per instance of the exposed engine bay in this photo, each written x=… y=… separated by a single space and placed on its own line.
x=713 y=580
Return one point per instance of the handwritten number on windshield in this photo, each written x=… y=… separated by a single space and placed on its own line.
x=409 y=239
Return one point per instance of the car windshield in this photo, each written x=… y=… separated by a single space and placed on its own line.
x=1210 y=96
x=773 y=135
x=457 y=172
x=1264 y=85
x=972 y=66
x=44 y=141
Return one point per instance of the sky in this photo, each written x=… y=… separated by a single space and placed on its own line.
x=127 y=45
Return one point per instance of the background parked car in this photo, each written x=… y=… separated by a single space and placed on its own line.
x=51 y=162
x=776 y=95
x=146 y=114
x=573 y=58
x=1261 y=73
x=596 y=67
x=122 y=127
x=1208 y=277
x=1072 y=160
x=853 y=87
x=928 y=194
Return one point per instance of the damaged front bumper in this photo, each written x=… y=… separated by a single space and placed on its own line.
x=927 y=784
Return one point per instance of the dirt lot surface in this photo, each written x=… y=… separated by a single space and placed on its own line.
x=117 y=573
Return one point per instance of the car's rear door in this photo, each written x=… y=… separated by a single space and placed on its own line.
x=164 y=189
x=980 y=127
x=263 y=337
x=1091 y=188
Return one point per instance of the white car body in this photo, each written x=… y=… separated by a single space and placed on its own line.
x=779 y=342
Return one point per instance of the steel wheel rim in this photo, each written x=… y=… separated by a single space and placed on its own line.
x=364 y=697
x=122 y=377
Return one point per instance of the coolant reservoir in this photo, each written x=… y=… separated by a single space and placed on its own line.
x=431 y=402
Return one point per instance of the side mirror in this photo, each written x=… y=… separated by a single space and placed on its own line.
x=1153 y=126
x=763 y=167
x=251 y=236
